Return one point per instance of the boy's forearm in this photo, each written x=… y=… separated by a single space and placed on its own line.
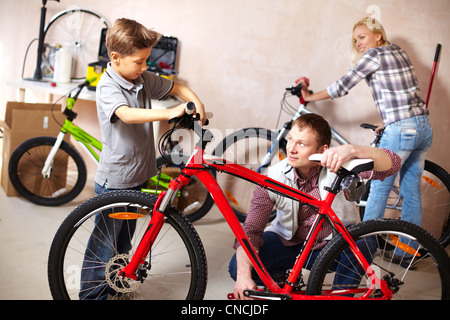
x=137 y=115
x=186 y=94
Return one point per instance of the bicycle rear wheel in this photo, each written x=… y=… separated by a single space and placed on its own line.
x=435 y=193
x=246 y=147
x=67 y=178
x=175 y=268
x=409 y=259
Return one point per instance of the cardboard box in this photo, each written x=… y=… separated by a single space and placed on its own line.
x=24 y=121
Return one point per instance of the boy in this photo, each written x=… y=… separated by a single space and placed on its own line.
x=127 y=161
x=124 y=96
x=279 y=244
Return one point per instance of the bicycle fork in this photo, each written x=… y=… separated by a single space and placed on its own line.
x=47 y=169
x=164 y=199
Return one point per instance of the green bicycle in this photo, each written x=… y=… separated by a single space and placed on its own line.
x=50 y=171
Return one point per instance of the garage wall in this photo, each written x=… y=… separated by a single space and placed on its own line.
x=239 y=55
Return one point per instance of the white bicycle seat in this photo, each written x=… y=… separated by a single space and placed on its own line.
x=354 y=165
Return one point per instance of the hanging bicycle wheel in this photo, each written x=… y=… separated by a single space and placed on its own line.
x=78 y=30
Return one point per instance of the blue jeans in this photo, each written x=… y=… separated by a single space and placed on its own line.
x=109 y=238
x=410 y=139
x=278 y=258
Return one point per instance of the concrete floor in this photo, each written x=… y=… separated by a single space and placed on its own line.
x=27 y=230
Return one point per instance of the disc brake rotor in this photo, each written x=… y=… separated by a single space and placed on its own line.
x=115 y=281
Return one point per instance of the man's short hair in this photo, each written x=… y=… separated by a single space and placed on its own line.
x=316 y=123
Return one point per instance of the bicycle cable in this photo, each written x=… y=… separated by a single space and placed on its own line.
x=54 y=103
x=164 y=141
x=286 y=107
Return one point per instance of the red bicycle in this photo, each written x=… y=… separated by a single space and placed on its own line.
x=160 y=255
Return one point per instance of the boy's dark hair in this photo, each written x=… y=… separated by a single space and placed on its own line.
x=127 y=36
x=318 y=124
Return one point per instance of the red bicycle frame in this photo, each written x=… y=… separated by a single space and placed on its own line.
x=198 y=165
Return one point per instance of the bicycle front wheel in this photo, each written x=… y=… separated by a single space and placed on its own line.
x=100 y=237
x=413 y=264
x=67 y=177
x=246 y=147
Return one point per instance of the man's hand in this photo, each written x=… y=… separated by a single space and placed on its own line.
x=333 y=158
x=244 y=279
x=241 y=284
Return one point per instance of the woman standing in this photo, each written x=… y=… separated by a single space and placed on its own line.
x=390 y=75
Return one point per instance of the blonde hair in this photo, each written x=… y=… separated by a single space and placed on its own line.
x=374 y=26
x=126 y=37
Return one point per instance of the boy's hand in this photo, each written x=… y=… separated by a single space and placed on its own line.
x=201 y=111
x=177 y=111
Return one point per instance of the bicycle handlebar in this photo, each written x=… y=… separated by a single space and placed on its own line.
x=187 y=120
x=190 y=107
x=85 y=83
x=190 y=122
x=296 y=91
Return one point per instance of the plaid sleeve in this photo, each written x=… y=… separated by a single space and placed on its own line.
x=368 y=64
x=381 y=175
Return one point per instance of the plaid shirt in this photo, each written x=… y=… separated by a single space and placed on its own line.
x=391 y=77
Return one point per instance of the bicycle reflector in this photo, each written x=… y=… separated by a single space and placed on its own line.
x=126 y=215
x=353 y=188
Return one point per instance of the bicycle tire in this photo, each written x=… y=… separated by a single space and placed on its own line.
x=402 y=280
x=195 y=201
x=435 y=186
x=239 y=192
x=177 y=257
x=67 y=178
x=77 y=30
